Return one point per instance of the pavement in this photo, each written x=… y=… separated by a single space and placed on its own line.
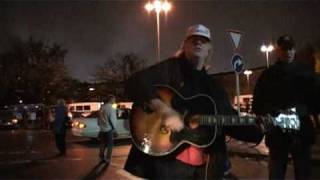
x=249 y=161
x=31 y=154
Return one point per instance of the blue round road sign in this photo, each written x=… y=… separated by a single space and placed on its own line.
x=237 y=64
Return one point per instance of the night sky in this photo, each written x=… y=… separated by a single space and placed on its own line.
x=92 y=31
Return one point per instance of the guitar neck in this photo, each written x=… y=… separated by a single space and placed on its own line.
x=226 y=120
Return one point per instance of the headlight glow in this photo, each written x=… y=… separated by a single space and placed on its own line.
x=14 y=121
x=114 y=105
x=75 y=123
x=81 y=125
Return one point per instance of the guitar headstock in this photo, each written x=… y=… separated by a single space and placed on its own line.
x=288 y=120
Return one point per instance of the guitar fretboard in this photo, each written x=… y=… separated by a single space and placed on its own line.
x=226 y=120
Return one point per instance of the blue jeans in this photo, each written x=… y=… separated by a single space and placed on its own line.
x=106 y=141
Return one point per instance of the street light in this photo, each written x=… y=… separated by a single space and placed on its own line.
x=248 y=73
x=267 y=49
x=158 y=6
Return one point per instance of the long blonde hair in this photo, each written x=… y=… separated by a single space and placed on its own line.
x=181 y=53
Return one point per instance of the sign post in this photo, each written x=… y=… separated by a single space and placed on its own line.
x=237 y=66
x=236 y=61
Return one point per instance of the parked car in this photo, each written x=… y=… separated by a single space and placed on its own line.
x=8 y=120
x=87 y=126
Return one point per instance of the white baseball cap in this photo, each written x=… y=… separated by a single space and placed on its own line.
x=198 y=30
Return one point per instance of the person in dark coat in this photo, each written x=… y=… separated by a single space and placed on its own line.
x=60 y=126
x=186 y=75
x=286 y=85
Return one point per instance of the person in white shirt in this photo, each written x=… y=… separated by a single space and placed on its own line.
x=107 y=122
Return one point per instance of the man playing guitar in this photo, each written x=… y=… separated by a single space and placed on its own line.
x=163 y=115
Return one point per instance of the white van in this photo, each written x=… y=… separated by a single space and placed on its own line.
x=87 y=126
x=83 y=108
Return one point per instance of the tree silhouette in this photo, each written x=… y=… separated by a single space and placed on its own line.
x=112 y=75
x=33 y=71
x=118 y=68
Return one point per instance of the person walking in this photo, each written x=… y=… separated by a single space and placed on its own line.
x=60 y=126
x=107 y=123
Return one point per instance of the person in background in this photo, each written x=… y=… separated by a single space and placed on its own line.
x=32 y=118
x=47 y=118
x=316 y=115
x=61 y=120
x=285 y=85
x=185 y=73
x=107 y=122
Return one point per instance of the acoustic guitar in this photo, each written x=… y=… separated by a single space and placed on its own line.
x=151 y=136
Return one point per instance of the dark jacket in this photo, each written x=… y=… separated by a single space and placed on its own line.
x=61 y=119
x=282 y=86
x=178 y=74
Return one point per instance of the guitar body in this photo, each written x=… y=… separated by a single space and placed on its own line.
x=153 y=138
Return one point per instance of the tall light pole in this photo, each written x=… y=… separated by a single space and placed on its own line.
x=267 y=49
x=158 y=6
x=248 y=73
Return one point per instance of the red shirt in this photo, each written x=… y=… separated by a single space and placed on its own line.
x=193 y=156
